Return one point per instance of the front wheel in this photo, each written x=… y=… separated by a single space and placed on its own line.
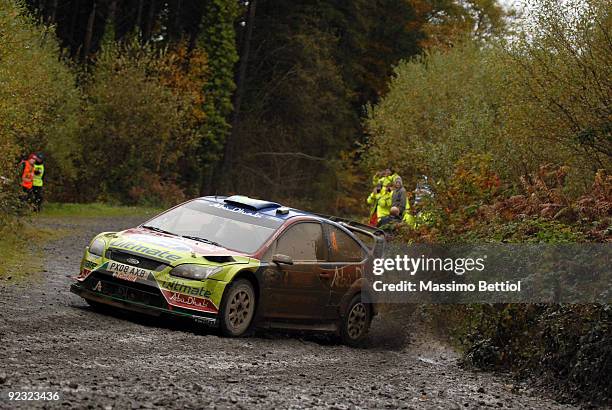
x=356 y=322
x=238 y=308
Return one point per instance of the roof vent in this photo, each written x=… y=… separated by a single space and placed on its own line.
x=245 y=202
x=283 y=210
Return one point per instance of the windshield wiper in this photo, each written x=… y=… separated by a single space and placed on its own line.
x=197 y=238
x=156 y=229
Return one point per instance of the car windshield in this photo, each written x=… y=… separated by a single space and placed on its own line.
x=231 y=227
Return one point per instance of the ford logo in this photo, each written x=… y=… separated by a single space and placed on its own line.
x=132 y=261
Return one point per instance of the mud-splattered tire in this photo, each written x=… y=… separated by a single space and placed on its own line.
x=356 y=322
x=237 y=309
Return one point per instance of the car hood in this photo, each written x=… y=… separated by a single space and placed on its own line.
x=172 y=249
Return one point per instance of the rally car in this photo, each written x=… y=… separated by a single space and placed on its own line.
x=238 y=263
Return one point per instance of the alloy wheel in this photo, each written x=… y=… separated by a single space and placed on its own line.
x=357 y=321
x=240 y=309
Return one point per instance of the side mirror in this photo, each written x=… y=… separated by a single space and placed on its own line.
x=282 y=259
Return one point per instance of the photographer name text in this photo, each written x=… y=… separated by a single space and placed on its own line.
x=430 y=286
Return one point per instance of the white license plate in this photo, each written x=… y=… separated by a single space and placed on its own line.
x=127 y=272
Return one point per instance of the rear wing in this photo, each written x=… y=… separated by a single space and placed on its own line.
x=372 y=237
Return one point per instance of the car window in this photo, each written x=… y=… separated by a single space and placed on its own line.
x=239 y=230
x=367 y=240
x=303 y=242
x=343 y=247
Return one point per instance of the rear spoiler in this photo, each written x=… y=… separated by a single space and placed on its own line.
x=378 y=235
x=349 y=224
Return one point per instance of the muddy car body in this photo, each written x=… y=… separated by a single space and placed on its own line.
x=238 y=263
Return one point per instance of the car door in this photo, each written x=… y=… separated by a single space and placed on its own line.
x=298 y=291
x=346 y=262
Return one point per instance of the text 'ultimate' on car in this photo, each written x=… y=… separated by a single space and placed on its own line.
x=238 y=263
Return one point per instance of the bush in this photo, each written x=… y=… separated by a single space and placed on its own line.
x=568 y=347
x=440 y=107
x=137 y=128
x=560 y=93
x=542 y=99
x=39 y=101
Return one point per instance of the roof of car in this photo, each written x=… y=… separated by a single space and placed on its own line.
x=267 y=208
x=282 y=213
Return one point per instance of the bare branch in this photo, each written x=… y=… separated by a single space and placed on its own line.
x=289 y=154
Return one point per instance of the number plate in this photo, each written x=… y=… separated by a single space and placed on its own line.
x=127 y=272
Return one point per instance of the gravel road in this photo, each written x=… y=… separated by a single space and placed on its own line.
x=51 y=340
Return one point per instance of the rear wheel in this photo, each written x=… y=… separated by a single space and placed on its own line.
x=356 y=322
x=238 y=308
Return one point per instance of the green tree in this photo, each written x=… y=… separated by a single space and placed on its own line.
x=561 y=92
x=136 y=129
x=217 y=39
x=39 y=100
x=297 y=113
x=543 y=99
x=444 y=23
x=439 y=108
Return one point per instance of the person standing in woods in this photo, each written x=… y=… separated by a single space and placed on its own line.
x=373 y=202
x=399 y=196
x=37 y=181
x=384 y=200
x=378 y=177
x=27 y=176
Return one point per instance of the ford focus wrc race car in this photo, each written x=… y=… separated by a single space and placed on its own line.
x=238 y=263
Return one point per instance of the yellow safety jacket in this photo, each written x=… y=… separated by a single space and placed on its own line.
x=384 y=203
x=383 y=181
x=39 y=171
x=373 y=202
x=391 y=179
x=408 y=218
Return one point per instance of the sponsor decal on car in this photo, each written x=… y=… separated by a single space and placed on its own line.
x=98 y=287
x=126 y=272
x=145 y=250
x=236 y=209
x=189 y=302
x=179 y=287
x=174 y=244
x=86 y=268
x=83 y=274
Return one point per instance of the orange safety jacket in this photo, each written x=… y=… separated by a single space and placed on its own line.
x=28 y=175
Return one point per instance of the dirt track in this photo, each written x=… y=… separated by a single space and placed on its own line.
x=51 y=340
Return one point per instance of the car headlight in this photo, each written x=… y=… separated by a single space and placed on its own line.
x=197 y=272
x=97 y=247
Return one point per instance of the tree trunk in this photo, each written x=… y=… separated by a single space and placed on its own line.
x=73 y=22
x=112 y=12
x=89 y=32
x=139 y=16
x=53 y=12
x=175 y=29
x=112 y=17
x=41 y=6
x=150 y=21
x=244 y=59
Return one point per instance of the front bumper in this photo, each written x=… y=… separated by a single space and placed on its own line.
x=123 y=297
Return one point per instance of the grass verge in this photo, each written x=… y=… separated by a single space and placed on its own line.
x=21 y=240
x=20 y=249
